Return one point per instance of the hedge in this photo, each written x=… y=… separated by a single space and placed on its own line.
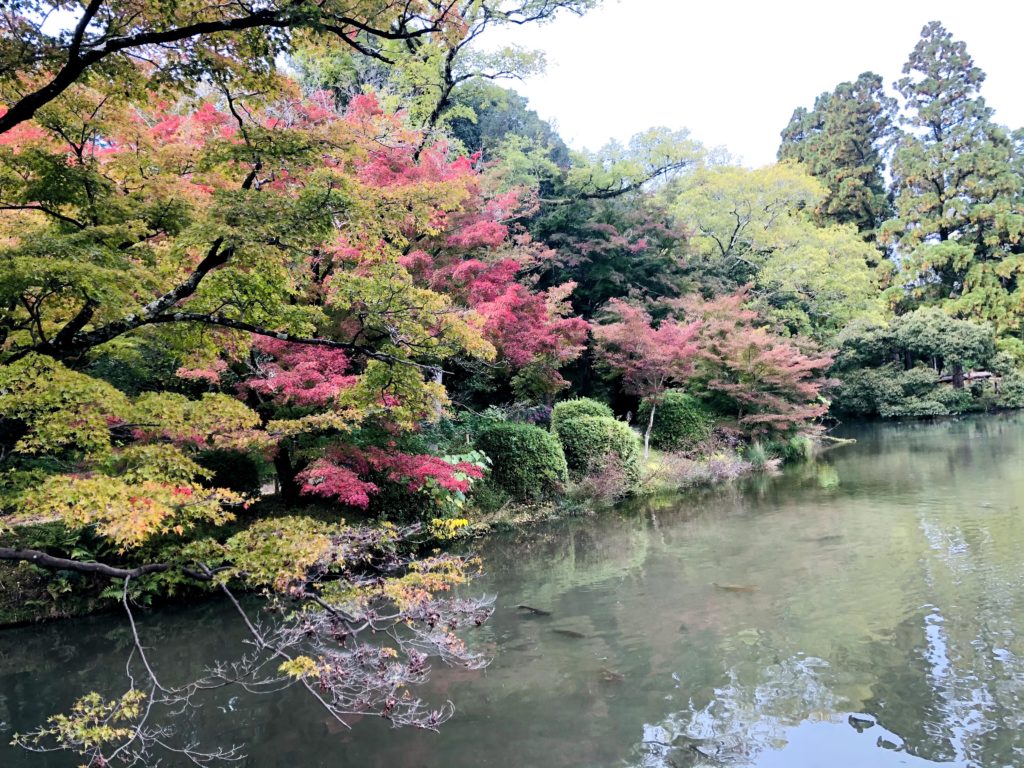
x=527 y=462
x=588 y=440
x=680 y=421
x=573 y=409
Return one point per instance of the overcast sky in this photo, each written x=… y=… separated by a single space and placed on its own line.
x=732 y=72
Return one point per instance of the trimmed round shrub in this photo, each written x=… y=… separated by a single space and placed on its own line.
x=526 y=461
x=680 y=421
x=574 y=409
x=588 y=441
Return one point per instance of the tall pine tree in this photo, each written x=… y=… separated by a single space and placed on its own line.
x=842 y=141
x=957 y=184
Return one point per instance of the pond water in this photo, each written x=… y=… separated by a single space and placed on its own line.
x=863 y=610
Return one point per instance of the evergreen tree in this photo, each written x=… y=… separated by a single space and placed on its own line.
x=957 y=182
x=496 y=115
x=842 y=141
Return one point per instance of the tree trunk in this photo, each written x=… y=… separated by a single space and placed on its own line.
x=958 y=376
x=650 y=428
x=286 y=475
x=438 y=405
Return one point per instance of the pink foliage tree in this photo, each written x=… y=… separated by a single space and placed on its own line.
x=650 y=358
x=342 y=474
x=296 y=374
x=773 y=386
x=436 y=223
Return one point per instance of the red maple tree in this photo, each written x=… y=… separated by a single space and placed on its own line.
x=772 y=386
x=650 y=358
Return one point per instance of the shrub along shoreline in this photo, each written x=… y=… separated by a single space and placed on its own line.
x=576 y=458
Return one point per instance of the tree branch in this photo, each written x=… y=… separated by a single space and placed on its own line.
x=278 y=18
x=75 y=343
x=26 y=107
x=52 y=563
x=83 y=25
x=77 y=323
x=610 y=193
x=44 y=209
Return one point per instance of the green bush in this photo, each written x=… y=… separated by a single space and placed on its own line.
x=1011 y=391
x=574 y=409
x=527 y=461
x=758 y=455
x=589 y=440
x=789 y=450
x=450 y=434
x=955 y=400
x=680 y=421
x=797 y=448
x=862 y=392
x=891 y=392
x=396 y=503
x=919 y=381
x=913 y=408
x=488 y=498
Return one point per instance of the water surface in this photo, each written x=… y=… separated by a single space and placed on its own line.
x=863 y=610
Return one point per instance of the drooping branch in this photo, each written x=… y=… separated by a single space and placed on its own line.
x=353 y=657
x=54 y=563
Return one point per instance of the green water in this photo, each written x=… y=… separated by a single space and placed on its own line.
x=883 y=582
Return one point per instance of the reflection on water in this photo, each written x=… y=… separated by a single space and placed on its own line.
x=865 y=610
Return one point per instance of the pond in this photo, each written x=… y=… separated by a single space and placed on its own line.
x=864 y=609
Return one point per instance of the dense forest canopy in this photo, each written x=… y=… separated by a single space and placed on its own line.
x=288 y=292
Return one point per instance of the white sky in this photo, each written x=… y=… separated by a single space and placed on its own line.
x=733 y=71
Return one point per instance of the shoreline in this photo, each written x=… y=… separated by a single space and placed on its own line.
x=55 y=596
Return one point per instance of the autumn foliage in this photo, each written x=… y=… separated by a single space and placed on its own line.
x=650 y=358
x=769 y=384
x=203 y=260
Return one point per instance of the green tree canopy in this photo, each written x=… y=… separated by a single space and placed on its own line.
x=754 y=226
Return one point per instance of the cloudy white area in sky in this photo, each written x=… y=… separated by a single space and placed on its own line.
x=733 y=72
